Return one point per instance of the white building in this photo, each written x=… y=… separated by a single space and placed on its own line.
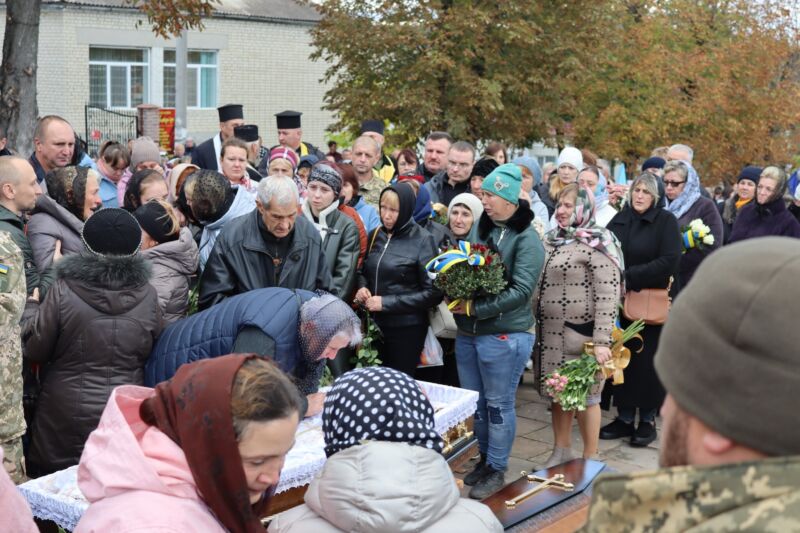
x=252 y=52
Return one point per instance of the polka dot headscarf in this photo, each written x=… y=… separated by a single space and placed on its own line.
x=377 y=403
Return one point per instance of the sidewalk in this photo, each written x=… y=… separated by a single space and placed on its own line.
x=534 y=441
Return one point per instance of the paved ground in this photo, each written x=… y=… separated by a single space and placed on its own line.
x=534 y=441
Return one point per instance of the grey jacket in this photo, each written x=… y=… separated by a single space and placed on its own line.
x=237 y=262
x=342 y=246
x=386 y=486
x=173 y=264
x=50 y=223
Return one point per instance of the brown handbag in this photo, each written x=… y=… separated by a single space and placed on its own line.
x=650 y=305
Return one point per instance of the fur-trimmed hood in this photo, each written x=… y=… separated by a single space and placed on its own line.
x=112 y=285
x=519 y=221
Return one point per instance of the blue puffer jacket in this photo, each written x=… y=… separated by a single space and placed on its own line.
x=211 y=333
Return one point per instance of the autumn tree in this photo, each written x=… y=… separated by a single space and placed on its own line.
x=18 y=107
x=718 y=75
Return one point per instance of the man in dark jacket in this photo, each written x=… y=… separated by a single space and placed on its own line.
x=298 y=329
x=454 y=179
x=434 y=159
x=270 y=247
x=19 y=190
x=207 y=153
x=54 y=146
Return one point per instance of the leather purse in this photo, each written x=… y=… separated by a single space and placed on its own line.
x=650 y=305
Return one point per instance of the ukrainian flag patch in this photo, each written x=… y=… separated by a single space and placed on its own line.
x=4 y=269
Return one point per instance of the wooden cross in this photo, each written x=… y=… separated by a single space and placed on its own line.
x=555 y=482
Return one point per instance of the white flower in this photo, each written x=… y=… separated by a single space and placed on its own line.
x=709 y=240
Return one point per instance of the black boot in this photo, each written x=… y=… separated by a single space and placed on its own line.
x=477 y=473
x=616 y=430
x=491 y=482
x=645 y=434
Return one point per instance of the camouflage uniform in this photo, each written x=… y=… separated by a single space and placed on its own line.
x=753 y=496
x=12 y=303
x=371 y=190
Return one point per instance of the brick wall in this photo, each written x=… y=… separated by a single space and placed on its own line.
x=263 y=65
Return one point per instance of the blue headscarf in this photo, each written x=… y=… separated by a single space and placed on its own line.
x=531 y=164
x=423 y=208
x=690 y=194
x=601 y=191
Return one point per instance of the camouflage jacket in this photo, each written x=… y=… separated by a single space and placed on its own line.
x=371 y=190
x=12 y=303
x=751 y=496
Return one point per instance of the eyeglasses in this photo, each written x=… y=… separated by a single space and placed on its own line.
x=673 y=183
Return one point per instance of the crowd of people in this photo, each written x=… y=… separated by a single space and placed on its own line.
x=128 y=279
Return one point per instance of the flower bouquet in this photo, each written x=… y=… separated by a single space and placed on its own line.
x=569 y=385
x=439 y=213
x=467 y=271
x=696 y=235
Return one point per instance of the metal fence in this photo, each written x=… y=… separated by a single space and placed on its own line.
x=106 y=124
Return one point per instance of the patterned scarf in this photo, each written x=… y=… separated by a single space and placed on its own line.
x=582 y=227
x=377 y=403
x=690 y=194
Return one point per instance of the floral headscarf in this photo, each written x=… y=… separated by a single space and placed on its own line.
x=690 y=194
x=583 y=228
x=377 y=403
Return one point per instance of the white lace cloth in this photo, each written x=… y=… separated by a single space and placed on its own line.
x=57 y=497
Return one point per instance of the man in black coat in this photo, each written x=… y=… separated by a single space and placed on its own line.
x=290 y=135
x=207 y=154
x=269 y=247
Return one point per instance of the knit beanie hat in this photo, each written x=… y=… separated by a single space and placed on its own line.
x=112 y=231
x=750 y=173
x=737 y=371
x=468 y=199
x=144 y=150
x=531 y=164
x=154 y=219
x=328 y=175
x=284 y=153
x=570 y=156
x=505 y=181
x=484 y=167
x=653 y=162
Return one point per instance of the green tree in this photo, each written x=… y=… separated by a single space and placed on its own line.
x=478 y=69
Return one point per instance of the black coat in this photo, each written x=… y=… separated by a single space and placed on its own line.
x=651 y=246
x=395 y=270
x=771 y=219
x=204 y=155
x=706 y=210
x=238 y=262
x=92 y=333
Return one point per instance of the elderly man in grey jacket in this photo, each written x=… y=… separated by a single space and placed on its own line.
x=269 y=247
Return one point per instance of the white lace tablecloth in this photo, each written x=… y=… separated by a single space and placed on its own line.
x=57 y=497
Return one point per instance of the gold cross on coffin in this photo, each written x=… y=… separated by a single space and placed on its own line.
x=555 y=482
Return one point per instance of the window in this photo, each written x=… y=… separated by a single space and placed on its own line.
x=118 y=77
x=201 y=78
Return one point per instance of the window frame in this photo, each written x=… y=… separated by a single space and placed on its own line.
x=198 y=76
x=145 y=64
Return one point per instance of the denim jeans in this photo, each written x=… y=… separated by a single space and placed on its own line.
x=492 y=366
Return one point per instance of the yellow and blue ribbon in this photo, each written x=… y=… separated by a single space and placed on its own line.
x=443 y=262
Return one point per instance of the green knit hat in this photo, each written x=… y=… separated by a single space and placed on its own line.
x=728 y=353
x=505 y=181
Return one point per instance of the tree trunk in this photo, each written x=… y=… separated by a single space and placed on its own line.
x=18 y=107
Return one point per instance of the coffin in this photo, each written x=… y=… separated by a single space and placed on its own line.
x=57 y=497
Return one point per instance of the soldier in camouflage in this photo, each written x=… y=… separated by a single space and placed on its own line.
x=731 y=441
x=12 y=303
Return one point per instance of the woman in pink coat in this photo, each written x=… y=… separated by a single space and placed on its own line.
x=201 y=452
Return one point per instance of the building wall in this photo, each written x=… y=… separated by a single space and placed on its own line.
x=262 y=65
